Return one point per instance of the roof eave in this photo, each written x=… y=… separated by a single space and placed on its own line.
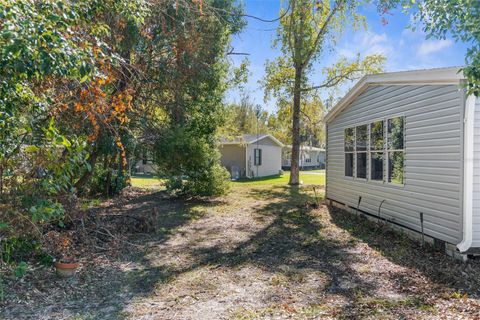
x=418 y=77
x=268 y=136
x=243 y=143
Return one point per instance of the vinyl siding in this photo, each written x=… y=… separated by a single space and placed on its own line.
x=317 y=158
x=476 y=177
x=433 y=157
x=271 y=160
x=233 y=158
x=266 y=142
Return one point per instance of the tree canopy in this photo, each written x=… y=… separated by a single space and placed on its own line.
x=88 y=86
x=440 y=18
x=306 y=31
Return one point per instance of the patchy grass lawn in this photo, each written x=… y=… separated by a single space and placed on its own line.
x=265 y=251
x=313 y=177
x=147 y=182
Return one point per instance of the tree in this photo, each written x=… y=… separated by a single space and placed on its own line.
x=460 y=18
x=242 y=118
x=50 y=53
x=188 y=70
x=309 y=29
x=312 y=131
x=83 y=81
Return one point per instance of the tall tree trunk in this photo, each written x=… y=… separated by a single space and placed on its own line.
x=294 y=168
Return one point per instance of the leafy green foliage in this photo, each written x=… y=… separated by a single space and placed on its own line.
x=244 y=117
x=46 y=210
x=306 y=31
x=17 y=249
x=190 y=163
x=20 y=269
x=459 y=18
x=191 y=84
x=117 y=180
x=85 y=85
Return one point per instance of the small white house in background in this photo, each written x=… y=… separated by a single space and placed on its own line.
x=408 y=144
x=251 y=155
x=310 y=158
x=145 y=165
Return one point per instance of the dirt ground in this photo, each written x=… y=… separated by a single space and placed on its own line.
x=262 y=252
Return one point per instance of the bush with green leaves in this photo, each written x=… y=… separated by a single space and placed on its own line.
x=191 y=163
x=106 y=181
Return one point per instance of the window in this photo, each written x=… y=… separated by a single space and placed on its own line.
x=257 y=157
x=395 y=149
x=376 y=151
x=349 y=148
x=361 y=137
x=374 y=148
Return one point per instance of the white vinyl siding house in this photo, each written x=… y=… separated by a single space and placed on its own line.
x=398 y=138
x=476 y=177
x=252 y=155
x=310 y=157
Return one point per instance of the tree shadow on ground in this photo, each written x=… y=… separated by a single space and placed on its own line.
x=294 y=239
x=290 y=244
x=435 y=265
x=105 y=281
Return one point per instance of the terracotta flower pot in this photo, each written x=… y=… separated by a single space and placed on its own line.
x=66 y=270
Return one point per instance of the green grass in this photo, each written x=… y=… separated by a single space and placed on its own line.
x=147 y=182
x=306 y=177
x=316 y=171
x=313 y=177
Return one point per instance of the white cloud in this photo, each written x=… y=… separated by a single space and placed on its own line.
x=371 y=38
x=428 y=47
x=367 y=43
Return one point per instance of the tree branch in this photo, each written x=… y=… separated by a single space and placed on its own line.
x=237 y=53
x=334 y=81
x=322 y=32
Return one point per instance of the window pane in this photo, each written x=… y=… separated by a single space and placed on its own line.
x=376 y=135
x=349 y=164
x=349 y=134
x=376 y=166
x=362 y=138
x=257 y=157
x=395 y=167
x=362 y=165
x=395 y=133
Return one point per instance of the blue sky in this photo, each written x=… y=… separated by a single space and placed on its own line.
x=403 y=48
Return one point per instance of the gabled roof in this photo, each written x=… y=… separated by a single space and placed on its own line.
x=415 y=77
x=249 y=139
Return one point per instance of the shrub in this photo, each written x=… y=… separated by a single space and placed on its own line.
x=17 y=249
x=114 y=180
x=191 y=163
x=210 y=182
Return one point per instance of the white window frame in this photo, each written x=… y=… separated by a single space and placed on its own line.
x=352 y=152
x=387 y=152
x=384 y=145
x=255 y=162
x=366 y=153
